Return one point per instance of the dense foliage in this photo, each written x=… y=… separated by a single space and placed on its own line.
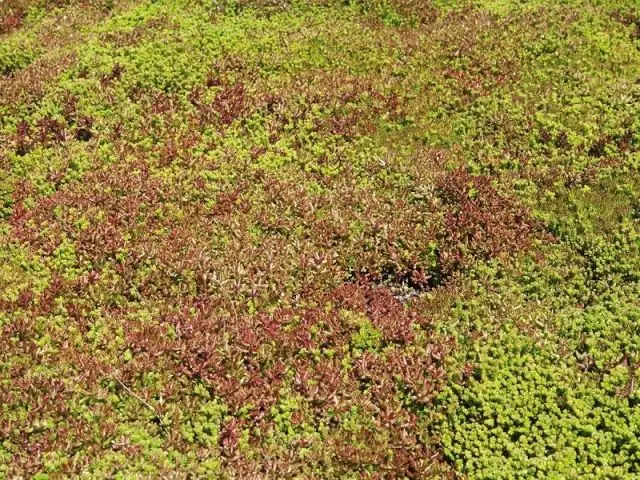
x=327 y=239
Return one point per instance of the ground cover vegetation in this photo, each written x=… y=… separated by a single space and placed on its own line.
x=326 y=239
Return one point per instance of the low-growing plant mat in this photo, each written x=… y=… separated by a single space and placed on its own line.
x=320 y=240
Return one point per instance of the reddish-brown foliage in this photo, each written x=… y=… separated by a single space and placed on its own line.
x=479 y=221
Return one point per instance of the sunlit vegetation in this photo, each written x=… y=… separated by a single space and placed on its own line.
x=323 y=240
